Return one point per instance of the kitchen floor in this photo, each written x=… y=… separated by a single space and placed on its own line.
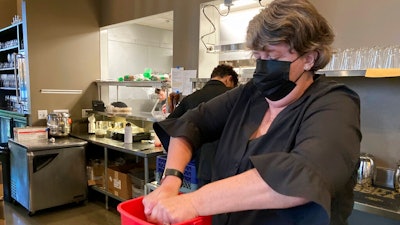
x=89 y=213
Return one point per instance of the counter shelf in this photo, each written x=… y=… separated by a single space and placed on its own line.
x=342 y=73
x=369 y=73
x=375 y=200
x=149 y=84
x=134 y=116
x=143 y=150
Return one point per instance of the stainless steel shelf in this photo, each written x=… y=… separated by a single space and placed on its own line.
x=6 y=69
x=143 y=150
x=104 y=192
x=136 y=116
x=343 y=73
x=9 y=48
x=132 y=83
x=370 y=73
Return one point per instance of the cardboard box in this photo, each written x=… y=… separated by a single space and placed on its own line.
x=30 y=133
x=95 y=174
x=119 y=182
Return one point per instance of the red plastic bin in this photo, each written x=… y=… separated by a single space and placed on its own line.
x=132 y=213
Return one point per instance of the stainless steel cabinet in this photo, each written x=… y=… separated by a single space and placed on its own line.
x=45 y=175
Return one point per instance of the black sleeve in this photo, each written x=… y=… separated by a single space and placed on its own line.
x=201 y=124
x=179 y=110
x=325 y=154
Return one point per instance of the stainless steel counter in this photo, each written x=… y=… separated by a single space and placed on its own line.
x=61 y=142
x=144 y=150
x=136 y=148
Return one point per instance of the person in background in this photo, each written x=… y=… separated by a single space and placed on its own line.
x=162 y=99
x=289 y=140
x=223 y=78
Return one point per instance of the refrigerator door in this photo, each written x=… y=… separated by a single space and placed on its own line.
x=49 y=177
x=57 y=177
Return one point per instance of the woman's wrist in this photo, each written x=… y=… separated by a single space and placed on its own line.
x=171 y=182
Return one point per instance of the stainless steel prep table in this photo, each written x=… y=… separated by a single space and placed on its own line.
x=144 y=150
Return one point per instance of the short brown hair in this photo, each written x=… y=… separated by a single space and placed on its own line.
x=296 y=23
x=223 y=70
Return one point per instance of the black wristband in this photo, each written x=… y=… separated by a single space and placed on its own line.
x=172 y=172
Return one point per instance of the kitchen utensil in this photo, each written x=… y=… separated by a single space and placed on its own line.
x=366 y=170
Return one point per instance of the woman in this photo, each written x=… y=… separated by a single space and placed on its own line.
x=289 y=141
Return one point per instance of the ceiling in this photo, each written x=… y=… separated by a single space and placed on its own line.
x=162 y=21
x=166 y=20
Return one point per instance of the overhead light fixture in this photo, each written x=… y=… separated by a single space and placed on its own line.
x=60 y=91
x=235 y=5
x=232 y=4
x=228 y=3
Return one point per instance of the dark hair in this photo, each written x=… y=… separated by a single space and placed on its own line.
x=296 y=23
x=158 y=90
x=224 y=70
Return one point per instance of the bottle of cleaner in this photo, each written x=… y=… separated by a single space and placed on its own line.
x=128 y=134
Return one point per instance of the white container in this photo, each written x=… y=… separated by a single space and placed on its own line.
x=92 y=124
x=128 y=134
x=30 y=133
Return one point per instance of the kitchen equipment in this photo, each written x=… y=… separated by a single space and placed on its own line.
x=135 y=136
x=397 y=178
x=366 y=170
x=59 y=124
x=98 y=105
x=384 y=177
x=101 y=128
x=45 y=174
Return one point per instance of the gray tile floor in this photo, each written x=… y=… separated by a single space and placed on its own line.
x=89 y=213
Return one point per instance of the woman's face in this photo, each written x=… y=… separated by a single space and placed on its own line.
x=162 y=95
x=281 y=52
x=299 y=68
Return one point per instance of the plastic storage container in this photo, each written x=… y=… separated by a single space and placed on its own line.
x=189 y=176
x=132 y=213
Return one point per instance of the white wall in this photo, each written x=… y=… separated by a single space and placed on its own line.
x=128 y=49
x=132 y=48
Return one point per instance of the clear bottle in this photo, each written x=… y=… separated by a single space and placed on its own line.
x=92 y=124
x=128 y=134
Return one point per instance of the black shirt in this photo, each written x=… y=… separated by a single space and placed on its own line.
x=211 y=89
x=311 y=149
x=203 y=160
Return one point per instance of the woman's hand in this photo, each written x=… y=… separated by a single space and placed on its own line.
x=169 y=188
x=173 y=210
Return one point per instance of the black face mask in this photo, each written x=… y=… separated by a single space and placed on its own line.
x=271 y=77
